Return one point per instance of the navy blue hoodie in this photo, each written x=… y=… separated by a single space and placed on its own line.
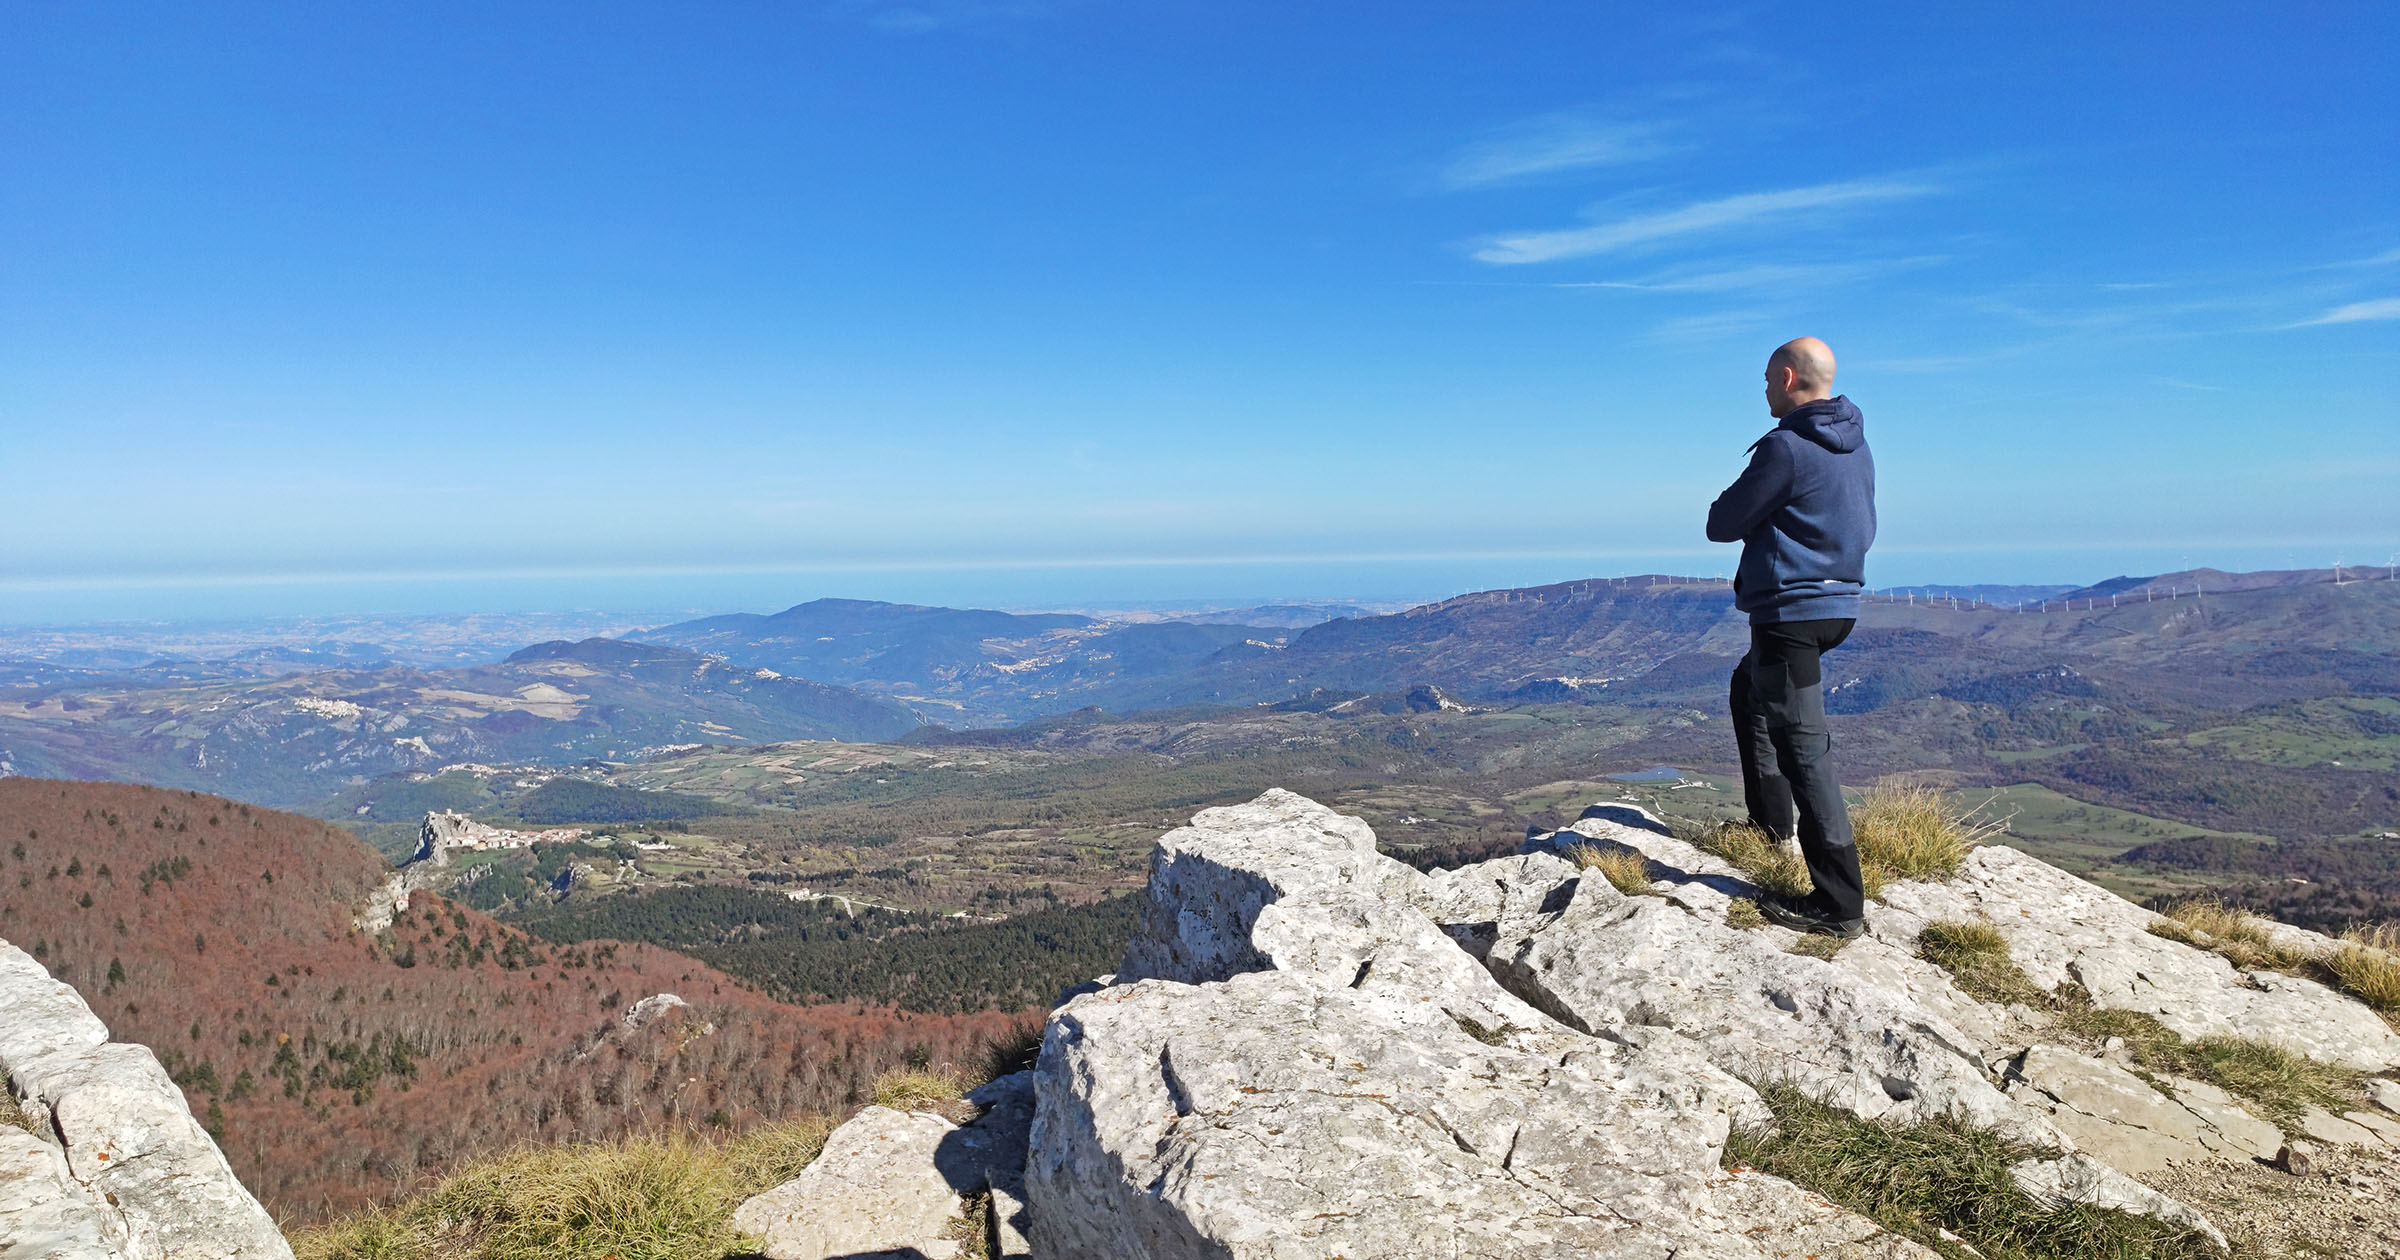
x=1804 y=512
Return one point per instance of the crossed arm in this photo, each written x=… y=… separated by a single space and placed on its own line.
x=1746 y=504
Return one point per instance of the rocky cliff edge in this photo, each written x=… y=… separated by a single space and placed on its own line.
x=108 y=1163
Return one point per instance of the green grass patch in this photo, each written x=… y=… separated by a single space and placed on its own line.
x=643 y=1198
x=1977 y=958
x=1944 y=1174
x=1743 y=914
x=2278 y=1084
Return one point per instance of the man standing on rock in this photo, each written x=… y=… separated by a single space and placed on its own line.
x=1804 y=512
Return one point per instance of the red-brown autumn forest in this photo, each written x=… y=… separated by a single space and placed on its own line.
x=338 y=1067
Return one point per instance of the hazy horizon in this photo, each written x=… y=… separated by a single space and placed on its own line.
x=1032 y=587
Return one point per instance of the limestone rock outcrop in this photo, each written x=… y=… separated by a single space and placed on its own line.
x=1312 y=1050
x=1297 y=1060
x=120 y=1169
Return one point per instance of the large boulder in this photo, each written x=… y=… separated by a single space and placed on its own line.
x=1261 y=1117
x=891 y=1185
x=877 y=1189
x=1297 y=1060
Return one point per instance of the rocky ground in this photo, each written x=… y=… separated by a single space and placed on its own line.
x=2348 y=1206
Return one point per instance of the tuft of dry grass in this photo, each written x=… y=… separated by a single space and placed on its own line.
x=1743 y=914
x=2241 y=938
x=771 y=1154
x=2367 y=963
x=1013 y=1051
x=1977 y=958
x=1817 y=946
x=651 y=1197
x=1904 y=831
x=1625 y=870
x=1759 y=856
x=1872 y=877
x=921 y=1089
x=15 y=1116
x=972 y=1231
x=1909 y=831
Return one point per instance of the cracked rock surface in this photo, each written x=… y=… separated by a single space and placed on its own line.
x=2120 y=1118
x=121 y=1169
x=1298 y=1060
x=1311 y=1051
x=2060 y=931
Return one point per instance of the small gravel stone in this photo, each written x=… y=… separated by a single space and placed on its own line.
x=2297 y=1158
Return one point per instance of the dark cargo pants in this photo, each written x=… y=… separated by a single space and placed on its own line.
x=1787 y=754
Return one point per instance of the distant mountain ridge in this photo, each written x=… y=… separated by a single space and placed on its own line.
x=297 y=738
x=858 y=670
x=852 y=640
x=2282 y=634
x=981 y=666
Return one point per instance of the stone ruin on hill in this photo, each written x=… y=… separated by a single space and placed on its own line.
x=445 y=832
x=1313 y=1051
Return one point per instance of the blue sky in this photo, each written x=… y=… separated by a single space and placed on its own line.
x=1033 y=302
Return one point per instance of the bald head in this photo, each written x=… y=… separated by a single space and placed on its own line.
x=1810 y=360
x=1800 y=371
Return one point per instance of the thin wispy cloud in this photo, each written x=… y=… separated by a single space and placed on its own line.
x=918 y=16
x=1722 y=214
x=2356 y=313
x=2384 y=259
x=1549 y=145
x=1710 y=327
x=1756 y=276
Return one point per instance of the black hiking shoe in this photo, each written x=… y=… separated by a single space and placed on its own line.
x=1800 y=916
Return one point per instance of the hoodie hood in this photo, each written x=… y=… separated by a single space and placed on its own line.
x=1833 y=423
